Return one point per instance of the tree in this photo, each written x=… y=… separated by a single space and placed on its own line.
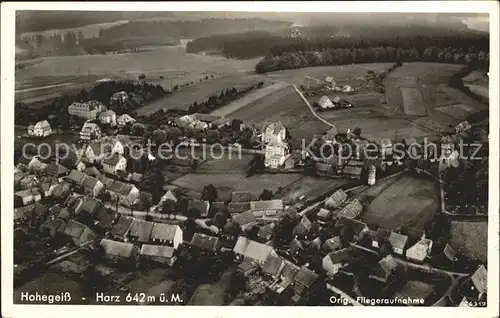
x=137 y=129
x=219 y=220
x=146 y=200
x=209 y=193
x=169 y=207
x=346 y=235
x=385 y=248
x=253 y=233
x=193 y=213
x=265 y=195
x=357 y=132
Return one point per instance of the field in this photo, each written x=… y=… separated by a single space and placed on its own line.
x=310 y=187
x=172 y=63
x=458 y=111
x=415 y=289
x=198 y=92
x=286 y=106
x=470 y=239
x=249 y=98
x=401 y=201
x=345 y=74
x=412 y=101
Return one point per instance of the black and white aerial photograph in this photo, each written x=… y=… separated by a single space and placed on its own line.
x=223 y=158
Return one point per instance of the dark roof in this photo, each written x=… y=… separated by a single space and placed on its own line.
x=247 y=265
x=164 y=231
x=75 y=176
x=205 y=242
x=238 y=207
x=273 y=265
x=290 y=270
x=303 y=227
x=105 y=216
x=305 y=277
x=89 y=205
x=244 y=218
x=56 y=170
x=341 y=256
x=136 y=177
x=200 y=205
x=93 y=172
x=61 y=189
x=106 y=181
x=122 y=225
x=117 y=248
x=480 y=279
x=141 y=230
x=351 y=210
x=382 y=234
x=25 y=160
x=241 y=196
x=356 y=226
x=157 y=250
x=112 y=160
x=89 y=182
x=74 y=229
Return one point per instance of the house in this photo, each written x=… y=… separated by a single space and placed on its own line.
x=56 y=170
x=200 y=205
x=352 y=172
x=37 y=167
x=475 y=287
x=276 y=153
x=266 y=232
x=462 y=127
x=325 y=102
x=106 y=181
x=61 y=191
x=303 y=282
x=332 y=244
x=274 y=132
x=419 y=251
x=75 y=178
x=108 y=118
x=303 y=228
x=95 y=151
x=140 y=231
x=336 y=260
x=29 y=213
x=135 y=178
x=92 y=186
x=125 y=193
x=26 y=197
x=324 y=214
x=247 y=268
x=124 y=120
x=121 y=227
x=79 y=233
x=268 y=207
x=40 y=129
x=114 y=163
x=90 y=131
x=252 y=251
x=241 y=196
x=239 y=207
x=273 y=266
x=92 y=171
x=169 y=195
x=358 y=228
x=89 y=205
x=106 y=218
x=286 y=276
x=24 y=162
x=385 y=146
x=158 y=253
x=324 y=169
x=17 y=180
x=384 y=270
x=205 y=243
x=398 y=241
x=351 y=210
x=28 y=182
x=245 y=219
x=166 y=234
x=46 y=189
x=296 y=247
x=119 y=251
x=336 y=199
x=87 y=110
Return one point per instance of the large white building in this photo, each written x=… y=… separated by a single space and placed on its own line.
x=88 y=110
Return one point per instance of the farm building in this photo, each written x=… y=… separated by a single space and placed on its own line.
x=140 y=231
x=245 y=219
x=273 y=266
x=92 y=186
x=332 y=244
x=87 y=110
x=121 y=227
x=119 y=251
x=398 y=241
x=89 y=205
x=40 y=129
x=420 y=251
x=267 y=207
x=90 y=131
x=337 y=198
x=324 y=214
x=158 y=253
x=79 y=233
x=251 y=250
x=127 y=194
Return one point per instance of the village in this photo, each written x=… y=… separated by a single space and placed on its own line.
x=107 y=201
